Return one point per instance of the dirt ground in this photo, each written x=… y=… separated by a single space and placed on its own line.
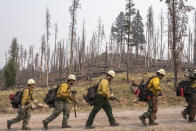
x=169 y=119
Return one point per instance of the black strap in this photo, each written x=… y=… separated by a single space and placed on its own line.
x=98 y=86
x=148 y=82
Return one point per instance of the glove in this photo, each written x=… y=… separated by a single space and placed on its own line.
x=23 y=107
x=160 y=94
x=73 y=93
x=111 y=98
x=35 y=102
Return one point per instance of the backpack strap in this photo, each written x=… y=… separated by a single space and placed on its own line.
x=98 y=85
x=147 y=83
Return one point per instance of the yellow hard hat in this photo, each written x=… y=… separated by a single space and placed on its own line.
x=72 y=77
x=112 y=73
x=161 y=71
x=30 y=82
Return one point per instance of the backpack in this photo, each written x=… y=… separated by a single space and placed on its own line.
x=183 y=88
x=143 y=91
x=51 y=96
x=16 y=99
x=91 y=93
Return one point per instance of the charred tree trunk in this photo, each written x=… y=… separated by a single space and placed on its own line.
x=194 y=54
x=175 y=66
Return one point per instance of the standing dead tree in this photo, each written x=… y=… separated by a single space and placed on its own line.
x=42 y=49
x=150 y=35
x=82 y=50
x=55 y=50
x=73 y=10
x=168 y=39
x=162 y=35
x=47 y=45
x=194 y=54
x=179 y=20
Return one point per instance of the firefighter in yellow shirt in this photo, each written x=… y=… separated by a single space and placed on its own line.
x=154 y=91
x=24 y=110
x=61 y=103
x=101 y=101
x=192 y=102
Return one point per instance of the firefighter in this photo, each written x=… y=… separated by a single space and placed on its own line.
x=154 y=91
x=192 y=100
x=61 y=103
x=24 y=109
x=101 y=101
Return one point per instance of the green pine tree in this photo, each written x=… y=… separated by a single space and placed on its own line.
x=10 y=67
x=130 y=11
x=118 y=29
x=118 y=32
x=10 y=74
x=138 y=31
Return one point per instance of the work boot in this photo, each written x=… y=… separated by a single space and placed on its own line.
x=143 y=120
x=184 y=115
x=8 y=125
x=115 y=124
x=26 y=128
x=45 y=125
x=89 y=127
x=153 y=123
x=66 y=126
x=191 y=120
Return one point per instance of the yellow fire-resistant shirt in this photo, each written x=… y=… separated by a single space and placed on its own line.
x=193 y=84
x=103 y=88
x=64 y=92
x=27 y=96
x=154 y=86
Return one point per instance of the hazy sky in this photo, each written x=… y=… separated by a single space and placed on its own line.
x=25 y=19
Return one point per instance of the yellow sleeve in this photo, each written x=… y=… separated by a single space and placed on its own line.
x=25 y=96
x=156 y=84
x=64 y=94
x=193 y=85
x=105 y=91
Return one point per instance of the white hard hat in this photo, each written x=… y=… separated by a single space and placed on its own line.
x=194 y=71
x=30 y=82
x=72 y=77
x=161 y=71
x=112 y=73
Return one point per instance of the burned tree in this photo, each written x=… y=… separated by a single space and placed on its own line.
x=194 y=54
x=179 y=20
x=47 y=44
x=150 y=35
x=73 y=10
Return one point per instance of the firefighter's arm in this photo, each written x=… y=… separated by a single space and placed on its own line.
x=25 y=96
x=156 y=84
x=63 y=92
x=33 y=98
x=105 y=89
